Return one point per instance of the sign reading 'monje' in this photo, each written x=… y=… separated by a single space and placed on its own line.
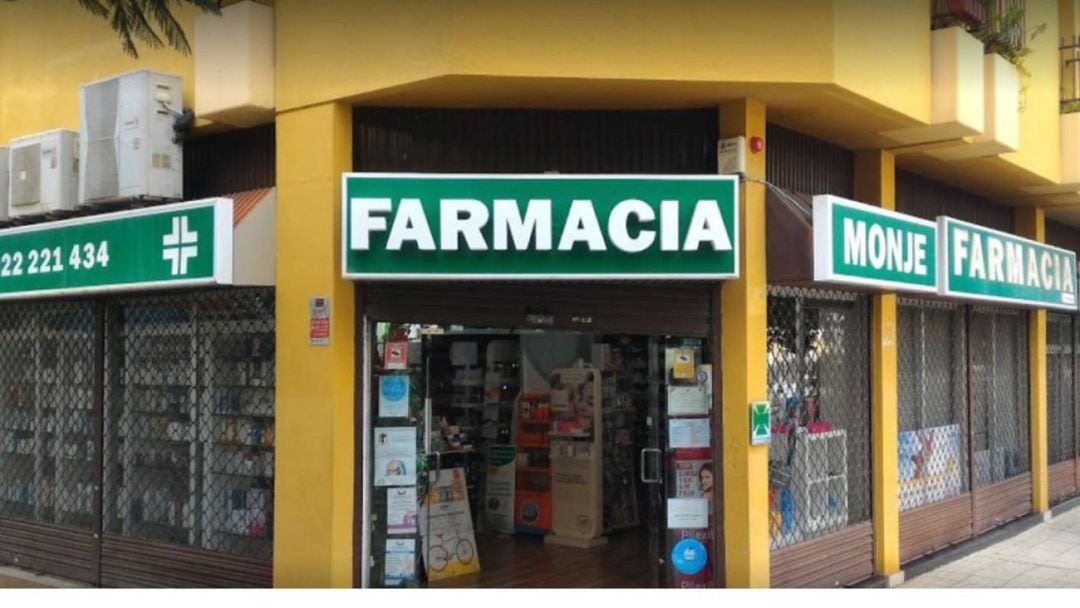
x=411 y=226
x=185 y=244
x=858 y=244
x=986 y=264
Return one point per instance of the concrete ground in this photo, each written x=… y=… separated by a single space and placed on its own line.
x=16 y=578
x=1045 y=556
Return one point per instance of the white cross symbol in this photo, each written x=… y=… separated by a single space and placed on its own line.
x=180 y=245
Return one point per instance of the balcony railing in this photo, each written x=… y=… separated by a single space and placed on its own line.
x=999 y=24
x=1070 y=74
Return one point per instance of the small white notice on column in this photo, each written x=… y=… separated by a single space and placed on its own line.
x=687 y=513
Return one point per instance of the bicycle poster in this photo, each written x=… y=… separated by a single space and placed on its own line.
x=446 y=527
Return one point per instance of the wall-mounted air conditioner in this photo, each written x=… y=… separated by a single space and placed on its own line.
x=43 y=173
x=127 y=134
x=3 y=183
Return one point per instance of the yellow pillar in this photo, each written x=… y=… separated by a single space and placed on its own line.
x=875 y=183
x=1031 y=223
x=313 y=505
x=746 y=467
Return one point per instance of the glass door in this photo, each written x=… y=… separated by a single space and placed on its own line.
x=394 y=465
x=685 y=434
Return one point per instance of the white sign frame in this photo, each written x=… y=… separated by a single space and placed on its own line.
x=824 y=272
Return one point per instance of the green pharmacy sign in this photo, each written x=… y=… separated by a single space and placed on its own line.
x=760 y=423
x=497 y=227
x=858 y=244
x=170 y=246
x=984 y=264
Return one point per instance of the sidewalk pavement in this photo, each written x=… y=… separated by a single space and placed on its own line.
x=16 y=578
x=1045 y=556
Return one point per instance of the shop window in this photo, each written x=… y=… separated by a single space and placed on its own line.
x=818 y=375
x=1061 y=418
x=189 y=420
x=999 y=359
x=47 y=448
x=932 y=393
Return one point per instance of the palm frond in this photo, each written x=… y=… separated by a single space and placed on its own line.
x=95 y=8
x=142 y=20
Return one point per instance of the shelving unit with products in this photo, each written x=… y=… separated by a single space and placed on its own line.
x=21 y=419
x=194 y=410
x=237 y=390
x=46 y=415
x=157 y=423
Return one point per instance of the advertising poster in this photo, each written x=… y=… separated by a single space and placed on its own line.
x=401 y=510
x=501 y=477
x=691 y=559
x=394 y=396
x=693 y=478
x=930 y=465
x=446 y=527
x=399 y=562
x=395 y=455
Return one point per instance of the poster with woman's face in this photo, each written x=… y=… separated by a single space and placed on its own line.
x=693 y=479
x=395 y=455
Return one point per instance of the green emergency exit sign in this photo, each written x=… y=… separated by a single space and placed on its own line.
x=760 y=423
x=179 y=245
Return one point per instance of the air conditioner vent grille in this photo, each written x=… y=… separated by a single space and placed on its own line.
x=25 y=175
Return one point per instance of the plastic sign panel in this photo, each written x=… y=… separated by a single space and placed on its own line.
x=859 y=244
x=760 y=423
x=169 y=246
x=984 y=264
x=412 y=226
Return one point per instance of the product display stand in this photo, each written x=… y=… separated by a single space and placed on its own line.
x=576 y=457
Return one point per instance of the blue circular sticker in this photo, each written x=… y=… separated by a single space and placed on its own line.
x=689 y=556
x=393 y=387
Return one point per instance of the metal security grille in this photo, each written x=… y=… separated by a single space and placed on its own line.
x=999 y=404
x=189 y=420
x=932 y=387
x=1061 y=416
x=818 y=374
x=47 y=413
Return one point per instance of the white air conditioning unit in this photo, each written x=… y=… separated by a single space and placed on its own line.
x=43 y=173
x=3 y=183
x=127 y=135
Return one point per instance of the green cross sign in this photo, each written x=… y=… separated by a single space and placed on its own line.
x=760 y=423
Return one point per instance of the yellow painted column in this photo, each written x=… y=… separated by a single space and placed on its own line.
x=314 y=487
x=743 y=301
x=1031 y=223
x=875 y=183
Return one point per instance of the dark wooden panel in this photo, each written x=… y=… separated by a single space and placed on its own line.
x=661 y=309
x=806 y=165
x=833 y=560
x=1062 y=480
x=935 y=526
x=230 y=162
x=926 y=198
x=1060 y=235
x=1002 y=502
x=133 y=563
x=60 y=551
x=534 y=141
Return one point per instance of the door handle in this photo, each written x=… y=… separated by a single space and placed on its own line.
x=644 y=477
